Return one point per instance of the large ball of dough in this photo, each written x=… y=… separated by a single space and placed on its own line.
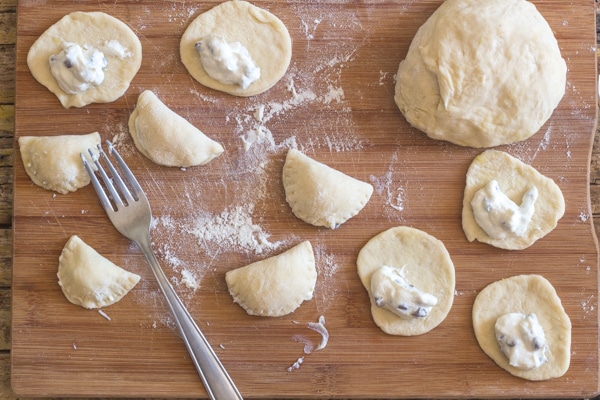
x=481 y=73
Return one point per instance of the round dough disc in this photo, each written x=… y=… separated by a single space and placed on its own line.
x=92 y=29
x=426 y=264
x=481 y=73
x=263 y=34
x=514 y=178
x=525 y=294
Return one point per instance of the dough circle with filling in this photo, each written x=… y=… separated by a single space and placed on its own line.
x=481 y=73
x=514 y=178
x=263 y=34
x=92 y=29
x=525 y=294
x=426 y=264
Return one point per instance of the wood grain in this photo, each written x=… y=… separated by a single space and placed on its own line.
x=61 y=350
x=7 y=84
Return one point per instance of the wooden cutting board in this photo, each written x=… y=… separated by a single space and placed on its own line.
x=335 y=104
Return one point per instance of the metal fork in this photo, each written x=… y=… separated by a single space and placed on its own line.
x=128 y=209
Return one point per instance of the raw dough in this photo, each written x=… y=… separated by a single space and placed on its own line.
x=92 y=29
x=54 y=162
x=425 y=263
x=277 y=285
x=89 y=280
x=167 y=138
x=481 y=73
x=514 y=178
x=525 y=294
x=319 y=194
x=263 y=34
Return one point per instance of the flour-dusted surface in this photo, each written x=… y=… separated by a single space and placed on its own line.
x=335 y=104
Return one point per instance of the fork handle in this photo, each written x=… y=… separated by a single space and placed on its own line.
x=217 y=381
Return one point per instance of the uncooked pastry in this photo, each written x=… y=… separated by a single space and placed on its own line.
x=166 y=138
x=319 y=194
x=425 y=263
x=525 y=294
x=54 y=162
x=514 y=178
x=481 y=73
x=277 y=285
x=91 y=29
x=89 y=280
x=263 y=34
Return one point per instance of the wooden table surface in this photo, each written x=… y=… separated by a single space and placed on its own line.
x=7 y=96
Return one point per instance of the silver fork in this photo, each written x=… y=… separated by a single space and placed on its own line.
x=128 y=209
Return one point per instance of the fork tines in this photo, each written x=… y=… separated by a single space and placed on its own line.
x=121 y=192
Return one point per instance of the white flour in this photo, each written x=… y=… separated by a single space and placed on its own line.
x=261 y=125
x=231 y=230
x=393 y=192
x=327 y=267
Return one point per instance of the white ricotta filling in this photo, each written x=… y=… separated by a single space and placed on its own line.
x=522 y=340
x=228 y=63
x=391 y=291
x=498 y=215
x=78 y=68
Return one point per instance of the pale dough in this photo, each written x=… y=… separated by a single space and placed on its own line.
x=167 y=138
x=92 y=29
x=426 y=264
x=514 y=178
x=525 y=294
x=89 y=280
x=319 y=194
x=481 y=73
x=54 y=162
x=259 y=31
x=277 y=285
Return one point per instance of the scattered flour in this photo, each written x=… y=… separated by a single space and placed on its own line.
x=584 y=216
x=189 y=279
x=588 y=305
x=253 y=124
x=259 y=134
x=265 y=129
x=326 y=263
x=327 y=268
x=526 y=152
x=382 y=77
x=392 y=192
x=264 y=134
x=233 y=229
